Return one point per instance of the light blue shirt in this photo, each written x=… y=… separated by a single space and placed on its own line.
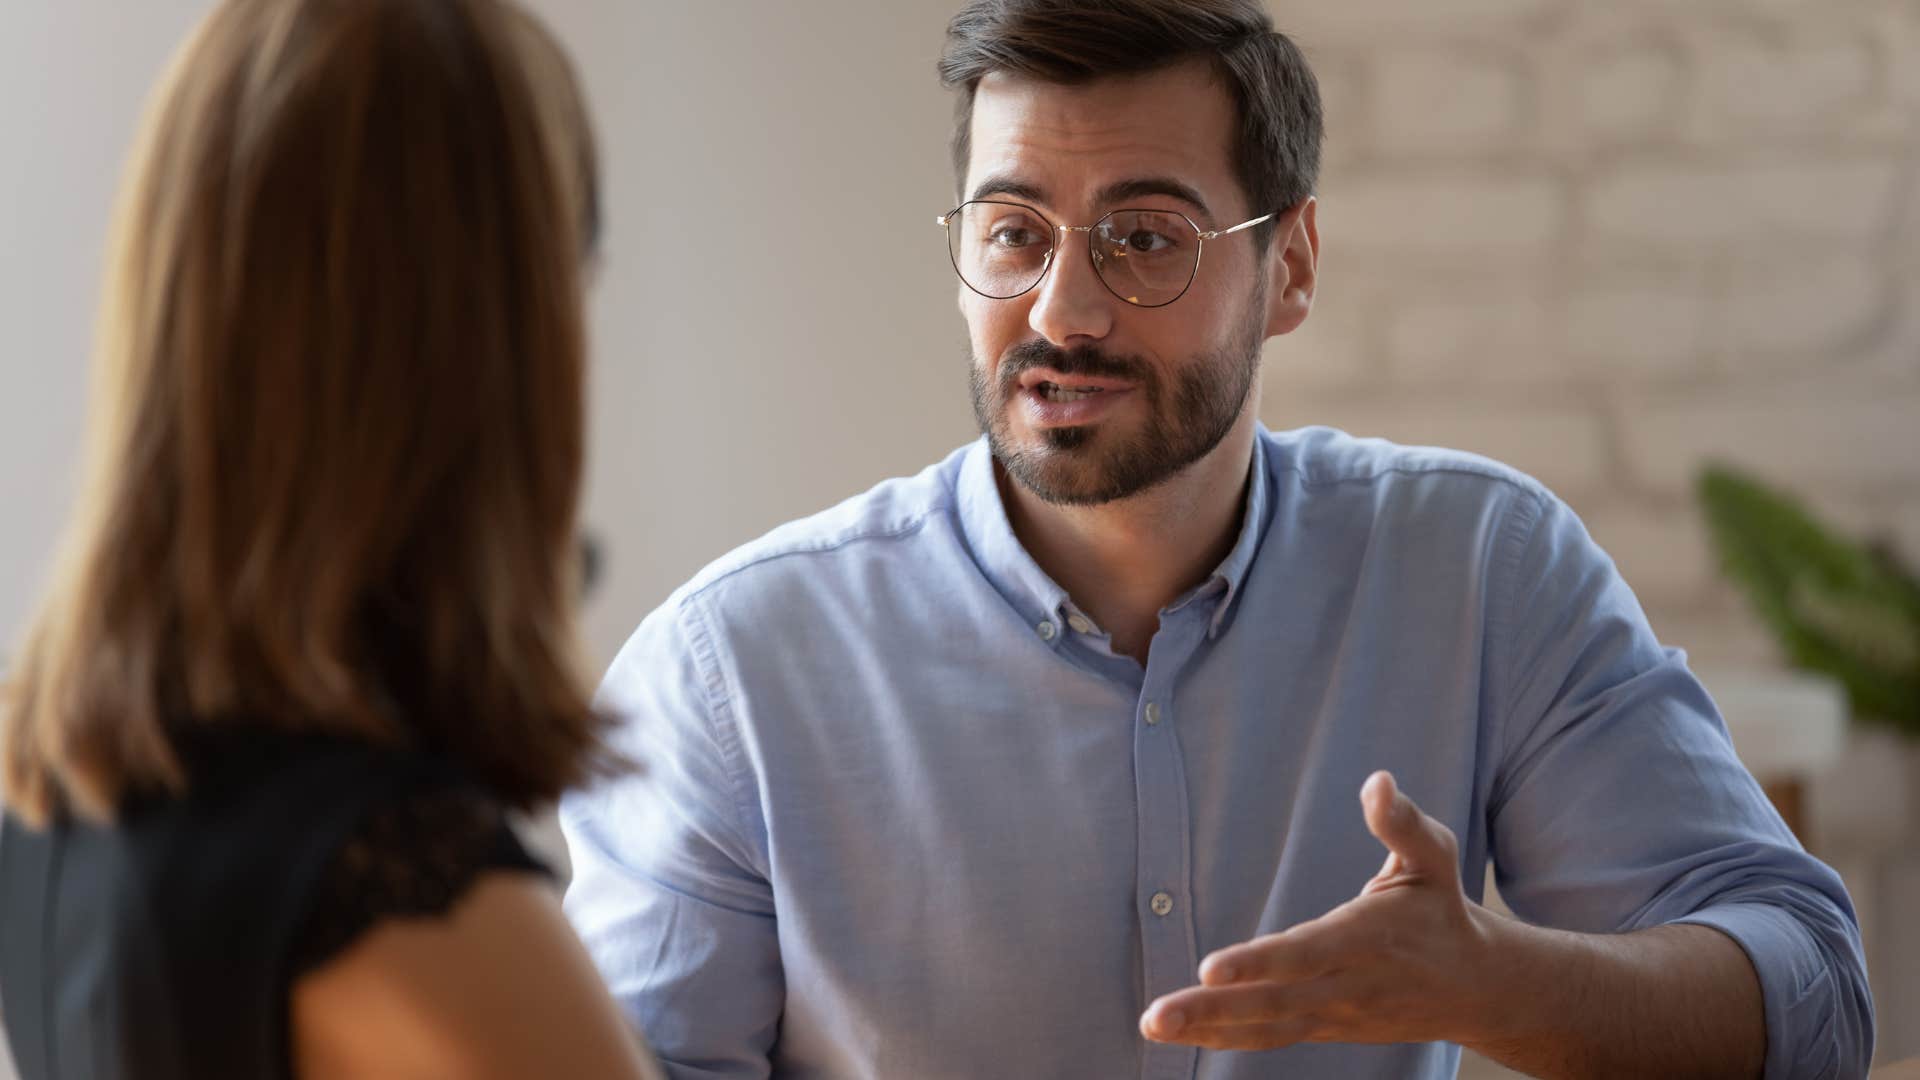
x=905 y=814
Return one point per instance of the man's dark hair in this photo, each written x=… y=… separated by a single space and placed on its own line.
x=1276 y=153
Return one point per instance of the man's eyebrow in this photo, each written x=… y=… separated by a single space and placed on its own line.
x=1134 y=188
x=1116 y=192
x=1007 y=185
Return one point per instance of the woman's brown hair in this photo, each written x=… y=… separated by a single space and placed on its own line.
x=336 y=437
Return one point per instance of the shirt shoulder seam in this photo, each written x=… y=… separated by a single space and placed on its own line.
x=1510 y=551
x=824 y=545
x=721 y=725
x=1504 y=477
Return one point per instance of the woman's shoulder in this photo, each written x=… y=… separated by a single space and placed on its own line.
x=378 y=832
x=415 y=849
x=193 y=906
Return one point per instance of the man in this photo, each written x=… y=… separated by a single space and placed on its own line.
x=1076 y=754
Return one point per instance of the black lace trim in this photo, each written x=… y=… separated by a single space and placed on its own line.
x=411 y=857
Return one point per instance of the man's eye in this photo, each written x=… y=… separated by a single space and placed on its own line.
x=1146 y=242
x=1012 y=236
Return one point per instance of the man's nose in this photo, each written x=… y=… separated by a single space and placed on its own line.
x=1071 y=305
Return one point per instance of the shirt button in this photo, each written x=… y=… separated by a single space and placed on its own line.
x=1153 y=717
x=1162 y=903
x=1045 y=630
x=1080 y=624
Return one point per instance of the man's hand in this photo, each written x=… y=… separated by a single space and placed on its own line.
x=1405 y=961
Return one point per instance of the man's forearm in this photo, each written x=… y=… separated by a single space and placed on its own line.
x=1678 y=1000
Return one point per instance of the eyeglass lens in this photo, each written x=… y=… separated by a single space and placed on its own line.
x=1002 y=249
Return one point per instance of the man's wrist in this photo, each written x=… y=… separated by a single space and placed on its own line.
x=1665 y=1000
x=1527 y=978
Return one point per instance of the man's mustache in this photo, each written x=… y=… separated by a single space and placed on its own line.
x=1081 y=360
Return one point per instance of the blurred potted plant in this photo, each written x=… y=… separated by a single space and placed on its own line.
x=1848 y=613
x=1844 y=609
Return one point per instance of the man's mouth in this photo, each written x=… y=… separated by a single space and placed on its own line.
x=1056 y=392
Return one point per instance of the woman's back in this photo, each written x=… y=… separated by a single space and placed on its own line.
x=184 y=940
x=168 y=941
x=335 y=457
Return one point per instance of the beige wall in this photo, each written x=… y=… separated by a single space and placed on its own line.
x=1598 y=240
x=776 y=322
x=735 y=388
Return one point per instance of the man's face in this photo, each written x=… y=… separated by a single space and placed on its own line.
x=1084 y=397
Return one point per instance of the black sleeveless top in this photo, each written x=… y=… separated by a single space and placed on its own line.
x=165 y=945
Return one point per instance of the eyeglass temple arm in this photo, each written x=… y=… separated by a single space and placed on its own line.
x=1217 y=233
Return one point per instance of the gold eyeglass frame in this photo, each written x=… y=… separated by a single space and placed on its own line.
x=945 y=221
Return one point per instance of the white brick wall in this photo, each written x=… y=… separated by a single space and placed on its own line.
x=1784 y=308
x=1321 y=20
x=1442 y=212
x=1868 y=440
x=1448 y=101
x=1625 y=91
x=1774 y=83
x=1562 y=445
x=1664 y=555
x=1685 y=205
x=1640 y=327
x=1906 y=533
x=1609 y=242
x=1478 y=336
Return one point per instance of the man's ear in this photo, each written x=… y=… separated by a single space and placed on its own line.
x=1293 y=265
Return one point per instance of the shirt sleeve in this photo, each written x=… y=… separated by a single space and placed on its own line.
x=670 y=889
x=1619 y=803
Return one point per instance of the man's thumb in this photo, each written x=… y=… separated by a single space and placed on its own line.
x=1424 y=845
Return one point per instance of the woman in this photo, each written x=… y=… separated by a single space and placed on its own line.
x=313 y=631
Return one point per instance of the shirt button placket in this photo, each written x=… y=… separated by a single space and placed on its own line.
x=1164 y=865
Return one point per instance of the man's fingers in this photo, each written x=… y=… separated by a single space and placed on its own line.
x=1200 y=1014
x=1424 y=845
x=1299 y=952
x=1270 y=1036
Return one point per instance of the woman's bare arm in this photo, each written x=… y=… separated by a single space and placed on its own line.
x=500 y=987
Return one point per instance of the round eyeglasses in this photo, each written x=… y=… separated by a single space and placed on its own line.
x=1147 y=258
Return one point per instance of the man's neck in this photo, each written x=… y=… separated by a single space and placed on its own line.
x=1124 y=561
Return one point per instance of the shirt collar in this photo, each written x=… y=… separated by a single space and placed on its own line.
x=983 y=517
x=1232 y=571
x=1006 y=563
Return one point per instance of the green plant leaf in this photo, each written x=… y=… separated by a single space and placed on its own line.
x=1836 y=606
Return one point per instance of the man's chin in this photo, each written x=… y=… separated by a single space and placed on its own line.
x=1074 y=474
x=1068 y=439
x=1054 y=487
x=1068 y=453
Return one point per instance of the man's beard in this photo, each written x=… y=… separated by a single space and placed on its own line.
x=1084 y=466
